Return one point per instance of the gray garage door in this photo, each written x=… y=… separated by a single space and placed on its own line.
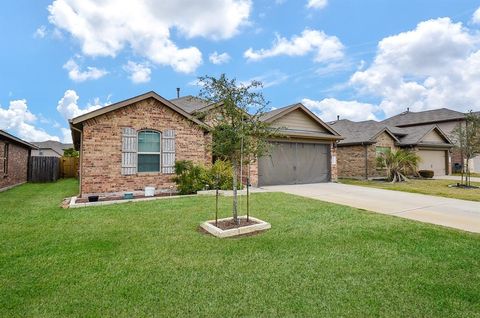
x=295 y=163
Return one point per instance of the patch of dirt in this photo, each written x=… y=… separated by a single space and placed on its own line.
x=230 y=224
x=462 y=186
x=101 y=199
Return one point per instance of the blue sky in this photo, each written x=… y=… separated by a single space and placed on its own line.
x=358 y=59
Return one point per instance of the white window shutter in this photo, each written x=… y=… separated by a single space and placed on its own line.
x=129 y=151
x=168 y=151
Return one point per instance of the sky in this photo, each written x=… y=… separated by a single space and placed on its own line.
x=359 y=60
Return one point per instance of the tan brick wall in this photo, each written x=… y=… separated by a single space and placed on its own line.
x=102 y=147
x=17 y=165
x=333 y=162
x=351 y=159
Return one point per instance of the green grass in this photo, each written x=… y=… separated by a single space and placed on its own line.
x=430 y=186
x=148 y=259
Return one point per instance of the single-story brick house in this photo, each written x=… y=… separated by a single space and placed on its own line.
x=132 y=144
x=446 y=119
x=364 y=141
x=14 y=160
x=135 y=143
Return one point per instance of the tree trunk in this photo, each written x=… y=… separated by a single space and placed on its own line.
x=235 y=198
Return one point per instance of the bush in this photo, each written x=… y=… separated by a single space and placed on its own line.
x=191 y=178
x=426 y=173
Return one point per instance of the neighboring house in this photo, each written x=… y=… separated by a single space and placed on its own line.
x=132 y=144
x=364 y=141
x=14 y=160
x=446 y=119
x=50 y=148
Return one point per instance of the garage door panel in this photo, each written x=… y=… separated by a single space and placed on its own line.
x=295 y=163
x=435 y=160
x=312 y=163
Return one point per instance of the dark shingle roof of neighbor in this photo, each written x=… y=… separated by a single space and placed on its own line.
x=56 y=146
x=428 y=116
x=367 y=131
x=190 y=103
x=363 y=131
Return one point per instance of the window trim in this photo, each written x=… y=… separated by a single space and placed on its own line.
x=159 y=153
x=5 y=158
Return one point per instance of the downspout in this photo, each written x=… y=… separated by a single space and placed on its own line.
x=80 y=165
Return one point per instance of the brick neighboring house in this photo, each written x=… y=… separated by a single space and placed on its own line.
x=365 y=141
x=50 y=148
x=132 y=144
x=14 y=160
x=446 y=119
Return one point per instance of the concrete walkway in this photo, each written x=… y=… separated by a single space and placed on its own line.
x=456 y=178
x=459 y=214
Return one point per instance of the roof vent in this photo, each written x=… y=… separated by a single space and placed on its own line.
x=338 y=117
x=178 y=92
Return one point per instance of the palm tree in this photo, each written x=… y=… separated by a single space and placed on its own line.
x=398 y=164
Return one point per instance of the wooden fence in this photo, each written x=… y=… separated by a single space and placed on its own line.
x=44 y=169
x=69 y=167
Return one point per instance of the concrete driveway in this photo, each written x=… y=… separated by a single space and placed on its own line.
x=459 y=214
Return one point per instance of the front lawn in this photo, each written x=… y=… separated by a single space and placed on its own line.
x=148 y=259
x=472 y=174
x=430 y=186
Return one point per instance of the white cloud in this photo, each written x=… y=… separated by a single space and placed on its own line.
x=317 y=4
x=18 y=119
x=435 y=65
x=326 y=48
x=66 y=135
x=476 y=16
x=217 y=59
x=68 y=105
x=40 y=32
x=139 y=73
x=77 y=75
x=329 y=108
x=105 y=28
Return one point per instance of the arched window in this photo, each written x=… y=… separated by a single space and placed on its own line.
x=149 y=151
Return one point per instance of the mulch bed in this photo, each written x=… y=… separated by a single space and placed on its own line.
x=230 y=224
x=102 y=199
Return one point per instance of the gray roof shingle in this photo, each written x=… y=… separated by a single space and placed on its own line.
x=363 y=131
x=430 y=116
x=56 y=146
x=190 y=103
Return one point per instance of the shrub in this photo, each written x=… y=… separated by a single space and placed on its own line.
x=191 y=178
x=426 y=173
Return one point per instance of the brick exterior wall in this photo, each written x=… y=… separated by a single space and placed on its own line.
x=333 y=162
x=17 y=164
x=351 y=159
x=101 y=150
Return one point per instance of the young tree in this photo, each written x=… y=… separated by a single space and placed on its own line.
x=467 y=141
x=239 y=134
x=398 y=164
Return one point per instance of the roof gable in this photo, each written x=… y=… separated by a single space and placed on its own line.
x=431 y=135
x=297 y=117
x=130 y=101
